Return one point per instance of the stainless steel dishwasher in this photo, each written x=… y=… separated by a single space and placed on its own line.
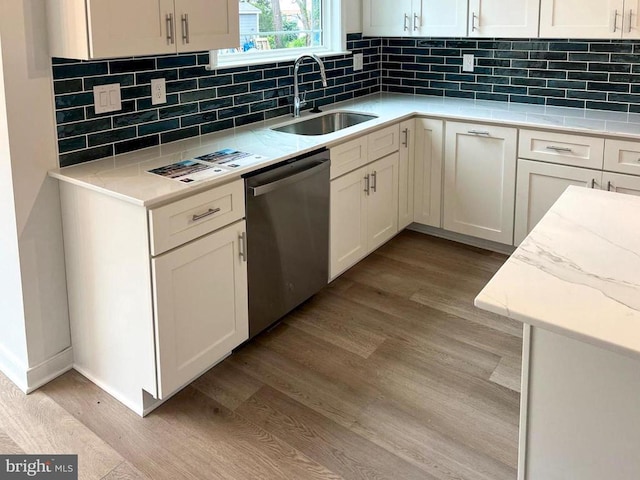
x=287 y=236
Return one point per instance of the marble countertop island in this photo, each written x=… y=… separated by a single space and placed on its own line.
x=578 y=272
x=126 y=176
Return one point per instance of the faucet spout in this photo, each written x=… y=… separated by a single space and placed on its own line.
x=297 y=101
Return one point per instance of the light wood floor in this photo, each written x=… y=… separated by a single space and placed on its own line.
x=389 y=373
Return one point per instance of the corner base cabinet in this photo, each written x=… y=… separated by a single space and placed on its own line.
x=157 y=296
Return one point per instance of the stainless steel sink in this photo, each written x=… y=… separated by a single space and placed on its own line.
x=327 y=123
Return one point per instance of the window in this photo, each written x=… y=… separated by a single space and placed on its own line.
x=272 y=30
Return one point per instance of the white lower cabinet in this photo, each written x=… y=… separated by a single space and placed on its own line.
x=427 y=200
x=364 y=212
x=406 y=173
x=479 y=180
x=539 y=185
x=200 y=305
x=156 y=296
x=620 y=183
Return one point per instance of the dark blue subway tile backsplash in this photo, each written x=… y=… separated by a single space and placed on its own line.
x=597 y=74
x=594 y=74
x=198 y=101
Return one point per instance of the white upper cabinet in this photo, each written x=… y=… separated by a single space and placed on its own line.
x=497 y=18
x=589 y=18
x=443 y=19
x=89 y=29
x=414 y=17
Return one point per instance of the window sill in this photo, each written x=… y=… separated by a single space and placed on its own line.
x=288 y=56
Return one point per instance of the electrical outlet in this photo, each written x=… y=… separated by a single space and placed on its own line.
x=358 y=61
x=468 y=62
x=106 y=98
x=158 y=91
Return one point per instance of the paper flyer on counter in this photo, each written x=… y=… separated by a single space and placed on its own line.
x=187 y=171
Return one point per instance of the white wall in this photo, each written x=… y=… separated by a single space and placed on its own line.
x=35 y=309
x=353 y=14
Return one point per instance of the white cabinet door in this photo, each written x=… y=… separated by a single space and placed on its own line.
x=200 y=306
x=406 y=173
x=428 y=172
x=387 y=17
x=207 y=24
x=348 y=228
x=382 y=201
x=539 y=185
x=622 y=156
x=479 y=186
x=497 y=18
x=122 y=28
x=631 y=21
x=441 y=19
x=617 y=182
x=581 y=18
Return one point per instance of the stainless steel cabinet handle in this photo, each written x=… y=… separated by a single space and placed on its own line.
x=171 y=39
x=374 y=184
x=242 y=251
x=185 y=28
x=559 y=149
x=405 y=143
x=366 y=184
x=609 y=185
x=615 y=21
x=415 y=21
x=406 y=17
x=592 y=183
x=478 y=132
x=473 y=22
x=209 y=212
x=630 y=20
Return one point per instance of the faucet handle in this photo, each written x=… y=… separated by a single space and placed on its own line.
x=303 y=99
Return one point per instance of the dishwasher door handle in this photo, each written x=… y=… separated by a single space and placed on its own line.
x=296 y=177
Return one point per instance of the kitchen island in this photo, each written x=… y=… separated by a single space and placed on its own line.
x=575 y=285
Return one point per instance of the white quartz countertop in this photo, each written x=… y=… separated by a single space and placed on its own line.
x=126 y=177
x=578 y=272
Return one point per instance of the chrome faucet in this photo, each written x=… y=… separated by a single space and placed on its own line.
x=297 y=101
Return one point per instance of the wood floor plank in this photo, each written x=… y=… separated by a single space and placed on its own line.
x=7 y=445
x=321 y=439
x=246 y=447
x=508 y=372
x=125 y=471
x=410 y=437
x=38 y=425
x=228 y=385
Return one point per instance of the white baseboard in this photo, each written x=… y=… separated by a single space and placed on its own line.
x=466 y=239
x=48 y=370
x=13 y=369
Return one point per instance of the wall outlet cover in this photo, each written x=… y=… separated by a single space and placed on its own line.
x=158 y=91
x=106 y=98
x=358 y=62
x=468 y=62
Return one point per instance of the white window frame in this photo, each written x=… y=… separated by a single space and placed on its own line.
x=333 y=34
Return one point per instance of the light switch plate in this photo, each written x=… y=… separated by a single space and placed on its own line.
x=106 y=98
x=468 y=63
x=158 y=91
x=358 y=62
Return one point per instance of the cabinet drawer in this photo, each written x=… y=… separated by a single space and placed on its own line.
x=575 y=150
x=348 y=156
x=383 y=142
x=184 y=220
x=622 y=156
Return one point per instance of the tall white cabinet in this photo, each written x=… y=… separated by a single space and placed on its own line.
x=89 y=29
x=479 y=180
x=497 y=18
x=589 y=18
